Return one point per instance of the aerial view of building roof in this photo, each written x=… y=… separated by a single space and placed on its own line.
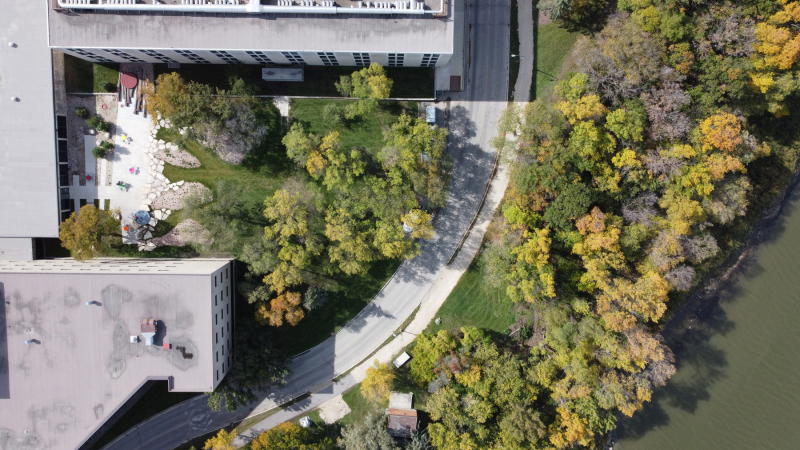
x=81 y=338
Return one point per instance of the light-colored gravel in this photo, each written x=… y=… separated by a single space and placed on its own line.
x=333 y=410
x=173 y=199
x=186 y=232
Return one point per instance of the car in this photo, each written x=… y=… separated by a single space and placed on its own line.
x=430 y=115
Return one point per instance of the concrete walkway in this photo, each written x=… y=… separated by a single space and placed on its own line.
x=522 y=89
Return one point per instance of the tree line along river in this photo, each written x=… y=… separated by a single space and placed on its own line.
x=737 y=354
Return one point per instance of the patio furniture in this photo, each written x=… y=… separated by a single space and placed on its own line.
x=142 y=217
x=88 y=178
x=128 y=80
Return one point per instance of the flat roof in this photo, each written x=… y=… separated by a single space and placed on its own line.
x=348 y=33
x=81 y=366
x=28 y=178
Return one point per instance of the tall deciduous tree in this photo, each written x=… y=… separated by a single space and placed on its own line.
x=369 y=434
x=378 y=385
x=222 y=441
x=86 y=234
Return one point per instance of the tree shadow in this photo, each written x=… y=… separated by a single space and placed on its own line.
x=590 y=18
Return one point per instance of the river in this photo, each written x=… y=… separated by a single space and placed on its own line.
x=738 y=358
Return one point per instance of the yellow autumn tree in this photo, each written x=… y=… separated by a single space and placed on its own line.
x=722 y=131
x=222 y=441
x=377 y=386
x=532 y=276
x=775 y=58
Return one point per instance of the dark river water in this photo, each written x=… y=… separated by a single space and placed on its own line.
x=738 y=359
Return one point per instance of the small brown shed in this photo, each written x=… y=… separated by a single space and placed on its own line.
x=402 y=422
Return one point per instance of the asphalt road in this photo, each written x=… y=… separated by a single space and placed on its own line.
x=472 y=118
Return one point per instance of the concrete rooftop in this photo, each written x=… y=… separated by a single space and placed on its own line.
x=81 y=366
x=28 y=191
x=260 y=32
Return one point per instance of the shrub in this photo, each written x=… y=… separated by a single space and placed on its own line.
x=107 y=146
x=315 y=297
x=110 y=87
x=332 y=114
x=81 y=112
x=99 y=152
x=99 y=124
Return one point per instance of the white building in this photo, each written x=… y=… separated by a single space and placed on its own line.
x=283 y=32
x=71 y=344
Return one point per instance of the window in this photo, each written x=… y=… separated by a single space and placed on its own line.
x=329 y=59
x=215 y=319
x=227 y=294
x=215 y=281
x=225 y=56
x=192 y=56
x=215 y=300
x=216 y=338
x=293 y=57
x=429 y=60
x=223 y=331
x=223 y=349
x=223 y=367
x=396 y=59
x=65 y=199
x=217 y=374
x=226 y=308
x=63 y=175
x=159 y=56
x=218 y=355
x=62 y=150
x=361 y=59
x=89 y=55
x=226 y=276
x=61 y=126
x=123 y=55
x=259 y=57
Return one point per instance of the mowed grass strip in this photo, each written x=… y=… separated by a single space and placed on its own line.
x=366 y=133
x=553 y=50
x=475 y=302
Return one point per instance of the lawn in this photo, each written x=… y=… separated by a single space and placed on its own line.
x=409 y=82
x=85 y=76
x=156 y=399
x=475 y=302
x=366 y=133
x=553 y=46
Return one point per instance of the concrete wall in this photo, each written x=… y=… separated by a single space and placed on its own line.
x=222 y=314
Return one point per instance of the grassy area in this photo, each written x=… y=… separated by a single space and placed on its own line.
x=553 y=46
x=475 y=302
x=409 y=82
x=355 y=292
x=359 y=406
x=366 y=133
x=85 y=76
x=156 y=399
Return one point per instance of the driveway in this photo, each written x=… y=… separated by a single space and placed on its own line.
x=472 y=118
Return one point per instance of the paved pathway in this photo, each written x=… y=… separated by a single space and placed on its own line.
x=472 y=118
x=522 y=89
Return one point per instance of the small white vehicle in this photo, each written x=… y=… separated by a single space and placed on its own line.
x=430 y=115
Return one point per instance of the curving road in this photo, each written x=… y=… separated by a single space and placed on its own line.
x=472 y=118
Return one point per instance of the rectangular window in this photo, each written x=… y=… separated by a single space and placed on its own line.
x=223 y=349
x=218 y=355
x=63 y=175
x=293 y=57
x=225 y=56
x=192 y=56
x=215 y=300
x=123 y=55
x=61 y=126
x=216 y=338
x=223 y=332
x=226 y=308
x=361 y=59
x=226 y=275
x=215 y=281
x=223 y=368
x=65 y=199
x=215 y=319
x=396 y=59
x=328 y=59
x=227 y=294
x=159 y=56
x=217 y=374
x=429 y=60
x=63 y=154
x=259 y=57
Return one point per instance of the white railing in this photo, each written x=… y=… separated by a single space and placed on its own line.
x=254 y=7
